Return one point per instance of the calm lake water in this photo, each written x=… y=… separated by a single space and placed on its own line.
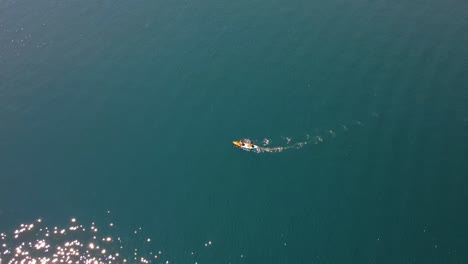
x=131 y=107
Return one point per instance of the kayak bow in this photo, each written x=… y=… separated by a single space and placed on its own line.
x=237 y=144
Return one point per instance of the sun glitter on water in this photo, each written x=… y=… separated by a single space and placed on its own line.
x=76 y=243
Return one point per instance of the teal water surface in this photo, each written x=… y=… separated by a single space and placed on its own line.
x=131 y=106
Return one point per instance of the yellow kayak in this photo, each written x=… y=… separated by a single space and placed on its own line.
x=244 y=145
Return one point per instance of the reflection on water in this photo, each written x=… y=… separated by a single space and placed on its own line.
x=93 y=243
x=75 y=243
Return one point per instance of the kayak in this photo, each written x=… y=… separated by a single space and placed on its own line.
x=245 y=145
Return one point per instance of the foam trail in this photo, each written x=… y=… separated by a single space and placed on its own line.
x=291 y=143
x=261 y=149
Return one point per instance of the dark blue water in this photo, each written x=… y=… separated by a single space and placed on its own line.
x=132 y=107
